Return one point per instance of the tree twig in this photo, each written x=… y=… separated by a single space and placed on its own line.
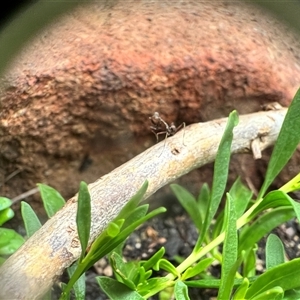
x=31 y=271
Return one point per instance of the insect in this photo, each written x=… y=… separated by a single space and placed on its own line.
x=159 y=126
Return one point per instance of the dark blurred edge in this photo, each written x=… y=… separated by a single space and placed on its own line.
x=26 y=23
x=34 y=17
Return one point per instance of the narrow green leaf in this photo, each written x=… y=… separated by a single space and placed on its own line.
x=286 y=275
x=294 y=204
x=116 y=290
x=156 y=283
x=133 y=202
x=241 y=290
x=52 y=199
x=230 y=250
x=79 y=285
x=122 y=270
x=181 y=291
x=249 y=265
x=264 y=225
x=104 y=244
x=83 y=217
x=272 y=200
x=293 y=294
x=220 y=173
x=5 y=203
x=213 y=283
x=154 y=259
x=203 y=200
x=278 y=199
x=30 y=219
x=137 y=214
x=198 y=268
x=218 y=227
x=274 y=251
x=10 y=241
x=5 y=215
x=288 y=140
x=241 y=196
x=275 y=293
x=141 y=276
x=164 y=264
x=188 y=202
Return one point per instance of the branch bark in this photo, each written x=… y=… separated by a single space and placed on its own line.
x=31 y=271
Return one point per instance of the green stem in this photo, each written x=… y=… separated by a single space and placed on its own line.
x=76 y=275
x=194 y=257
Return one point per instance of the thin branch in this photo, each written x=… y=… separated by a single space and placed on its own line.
x=25 y=195
x=31 y=271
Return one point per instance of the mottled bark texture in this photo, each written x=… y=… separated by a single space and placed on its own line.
x=84 y=88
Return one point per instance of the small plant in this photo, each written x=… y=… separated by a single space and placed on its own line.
x=130 y=217
x=228 y=237
x=10 y=240
x=238 y=228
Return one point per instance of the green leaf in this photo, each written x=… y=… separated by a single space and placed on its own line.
x=288 y=140
x=79 y=286
x=241 y=290
x=181 y=291
x=220 y=173
x=52 y=199
x=10 y=241
x=137 y=214
x=286 y=275
x=31 y=221
x=203 y=200
x=212 y=283
x=83 y=217
x=292 y=186
x=5 y=203
x=113 y=229
x=277 y=199
x=218 y=227
x=264 y=225
x=198 y=268
x=230 y=250
x=98 y=250
x=275 y=293
x=249 y=265
x=116 y=290
x=143 y=275
x=133 y=202
x=241 y=196
x=123 y=270
x=188 y=202
x=5 y=215
x=153 y=260
x=274 y=251
x=164 y=264
x=292 y=294
x=154 y=284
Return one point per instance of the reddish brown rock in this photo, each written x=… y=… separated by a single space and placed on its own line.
x=84 y=88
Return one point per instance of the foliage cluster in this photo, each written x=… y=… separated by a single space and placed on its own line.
x=228 y=237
